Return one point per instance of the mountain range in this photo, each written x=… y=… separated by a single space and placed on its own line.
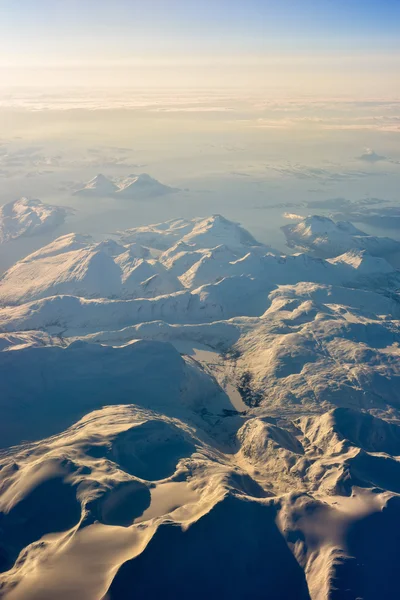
x=187 y=412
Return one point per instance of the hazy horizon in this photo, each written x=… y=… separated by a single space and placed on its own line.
x=309 y=46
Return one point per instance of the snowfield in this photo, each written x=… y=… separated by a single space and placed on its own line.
x=187 y=413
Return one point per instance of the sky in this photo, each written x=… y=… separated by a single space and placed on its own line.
x=226 y=43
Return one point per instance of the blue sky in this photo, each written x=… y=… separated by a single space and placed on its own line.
x=329 y=34
x=120 y=27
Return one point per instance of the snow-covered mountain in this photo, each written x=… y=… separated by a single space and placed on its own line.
x=327 y=239
x=190 y=388
x=98 y=186
x=182 y=235
x=76 y=265
x=215 y=231
x=133 y=187
x=70 y=264
x=26 y=217
x=143 y=186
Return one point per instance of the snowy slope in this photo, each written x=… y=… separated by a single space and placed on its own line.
x=148 y=278
x=85 y=271
x=159 y=235
x=208 y=303
x=363 y=263
x=216 y=231
x=180 y=257
x=347 y=269
x=82 y=376
x=323 y=346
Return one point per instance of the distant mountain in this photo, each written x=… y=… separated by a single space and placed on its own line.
x=25 y=217
x=132 y=187
x=98 y=186
x=327 y=238
x=144 y=186
x=371 y=156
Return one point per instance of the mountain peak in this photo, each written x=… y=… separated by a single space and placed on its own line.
x=100 y=185
x=143 y=186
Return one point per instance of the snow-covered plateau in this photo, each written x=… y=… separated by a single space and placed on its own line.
x=187 y=413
